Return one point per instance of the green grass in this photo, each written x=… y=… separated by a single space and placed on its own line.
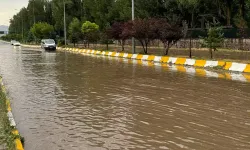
x=6 y=135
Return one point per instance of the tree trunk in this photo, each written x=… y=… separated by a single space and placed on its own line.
x=166 y=48
x=241 y=43
x=211 y=53
x=228 y=16
x=144 y=48
x=107 y=45
x=122 y=43
x=190 y=39
x=242 y=8
x=190 y=47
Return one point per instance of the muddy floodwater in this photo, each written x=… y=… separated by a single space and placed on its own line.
x=66 y=101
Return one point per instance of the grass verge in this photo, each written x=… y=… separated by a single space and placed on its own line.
x=7 y=136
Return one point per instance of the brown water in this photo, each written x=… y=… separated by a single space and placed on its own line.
x=64 y=101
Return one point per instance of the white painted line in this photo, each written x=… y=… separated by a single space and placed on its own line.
x=190 y=62
x=110 y=53
x=125 y=55
x=11 y=119
x=211 y=64
x=144 y=57
x=238 y=67
x=157 y=59
x=117 y=54
x=134 y=56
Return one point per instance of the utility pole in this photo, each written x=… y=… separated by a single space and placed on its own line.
x=81 y=11
x=133 y=18
x=34 y=19
x=22 y=26
x=65 y=32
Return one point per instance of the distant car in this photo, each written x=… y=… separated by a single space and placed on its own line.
x=48 y=44
x=12 y=41
x=16 y=43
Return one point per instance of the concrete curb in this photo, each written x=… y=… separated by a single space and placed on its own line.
x=229 y=66
x=18 y=142
x=31 y=46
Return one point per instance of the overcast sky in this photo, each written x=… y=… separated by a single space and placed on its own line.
x=10 y=7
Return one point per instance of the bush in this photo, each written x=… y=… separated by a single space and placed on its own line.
x=42 y=30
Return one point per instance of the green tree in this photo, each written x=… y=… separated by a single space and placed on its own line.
x=98 y=11
x=42 y=30
x=191 y=6
x=213 y=40
x=90 y=32
x=75 y=31
x=226 y=6
x=168 y=33
x=30 y=37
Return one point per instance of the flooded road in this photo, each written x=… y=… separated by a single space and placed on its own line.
x=65 y=101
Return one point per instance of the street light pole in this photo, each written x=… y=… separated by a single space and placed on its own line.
x=133 y=18
x=81 y=10
x=22 y=26
x=65 y=34
x=34 y=18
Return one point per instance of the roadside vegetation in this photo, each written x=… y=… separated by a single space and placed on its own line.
x=7 y=138
x=172 y=25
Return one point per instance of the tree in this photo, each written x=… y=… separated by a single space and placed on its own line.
x=228 y=7
x=120 y=11
x=90 y=31
x=214 y=39
x=42 y=30
x=30 y=37
x=75 y=31
x=144 y=31
x=191 y=6
x=169 y=34
x=115 y=32
x=98 y=11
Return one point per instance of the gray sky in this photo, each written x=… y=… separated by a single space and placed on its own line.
x=10 y=7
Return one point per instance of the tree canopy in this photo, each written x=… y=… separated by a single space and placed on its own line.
x=42 y=30
x=230 y=13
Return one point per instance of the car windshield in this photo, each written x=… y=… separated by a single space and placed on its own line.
x=49 y=41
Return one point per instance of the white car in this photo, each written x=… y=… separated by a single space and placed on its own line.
x=48 y=44
x=12 y=41
x=16 y=43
